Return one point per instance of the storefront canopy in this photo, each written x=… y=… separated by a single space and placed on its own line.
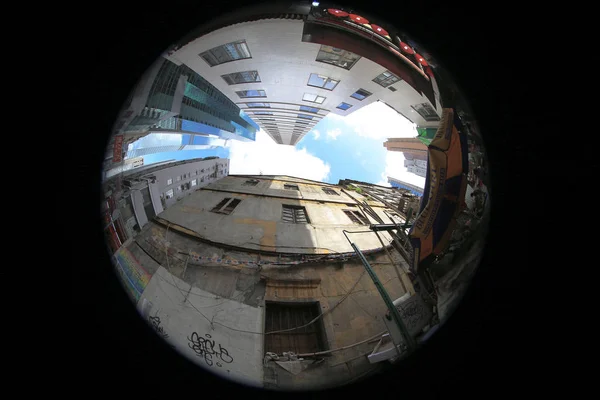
x=444 y=190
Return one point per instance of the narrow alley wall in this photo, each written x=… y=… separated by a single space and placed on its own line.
x=190 y=320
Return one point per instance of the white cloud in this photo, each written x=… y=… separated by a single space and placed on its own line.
x=334 y=133
x=377 y=121
x=316 y=134
x=394 y=167
x=270 y=158
x=156 y=139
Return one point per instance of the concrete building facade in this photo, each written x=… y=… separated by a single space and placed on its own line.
x=252 y=278
x=135 y=196
x=288 y=71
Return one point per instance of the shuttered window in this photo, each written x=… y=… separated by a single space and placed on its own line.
x=294 y=214
x=281 y=316
x=226 y=206
x=356 y=217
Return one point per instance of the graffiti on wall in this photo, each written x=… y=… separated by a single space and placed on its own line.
x=205 y=347
x=415 y=314
x=133 y=275
x=155 y=324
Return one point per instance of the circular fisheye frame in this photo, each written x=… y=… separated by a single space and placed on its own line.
x=289 y=207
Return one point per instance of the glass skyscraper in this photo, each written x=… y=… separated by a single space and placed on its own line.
x=180 y=100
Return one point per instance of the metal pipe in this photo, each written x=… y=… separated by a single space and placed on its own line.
x=395 y=314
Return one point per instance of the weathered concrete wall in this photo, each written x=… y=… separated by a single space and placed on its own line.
x=256 y=223
x=356 y=318
x=235 y=296
x=174 y=308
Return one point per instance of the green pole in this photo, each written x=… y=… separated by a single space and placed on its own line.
x=395 y=314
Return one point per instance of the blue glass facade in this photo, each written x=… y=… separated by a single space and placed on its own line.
x=202 y=108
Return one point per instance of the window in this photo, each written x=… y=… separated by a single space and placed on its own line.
x=393 y=89
x=169 y=194
x=294 y=214
x=282 y=316
x=330 y=191
x=338 y=57
x=426 y=111
x=356 y=217
x=313 y=98
x=309 y=109
x=344 y=106
x=360 y=94
x=305 y=116
x=322 y=81
x=194 y=182
x=241 y=77
x=263 y=113
x=290 y=187
x=225 y=53
x=226 y=206
x=178 y=178
x=251 y=93
x=169 y=181
x=386 y=78
x=258 y=105
x=251 y=182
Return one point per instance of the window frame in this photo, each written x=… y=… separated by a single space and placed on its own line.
x=237 y=42
x=279 y=312
x=317 y=96
x=169 y=181
x=364 y=96
x=239 y=93
x=356 y=217
x=294 y=209
x=433 y=117
x=331 y=191
x=290 y=186
x=309 y=109
x=392 y=75
x=264 y=105
x=224 y=206
x=230 y=77
x=345 y=109
x=342 y=56
x=325 y=79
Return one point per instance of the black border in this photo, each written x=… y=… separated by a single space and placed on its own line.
x=487 y=345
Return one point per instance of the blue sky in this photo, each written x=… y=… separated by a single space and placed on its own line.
x=349 y=156
x=349 y=147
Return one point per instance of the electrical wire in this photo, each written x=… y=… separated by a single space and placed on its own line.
x=212 y=323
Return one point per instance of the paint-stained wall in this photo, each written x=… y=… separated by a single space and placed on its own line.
x=256 y=223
